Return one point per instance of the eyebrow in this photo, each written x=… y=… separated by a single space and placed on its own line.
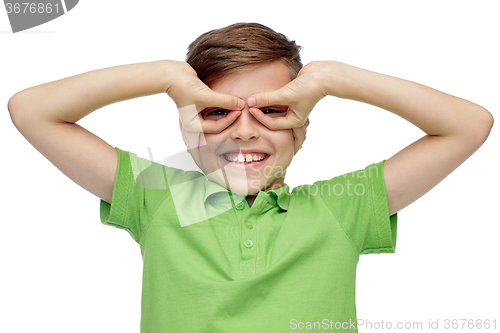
x=279 y=106
x=212 y=108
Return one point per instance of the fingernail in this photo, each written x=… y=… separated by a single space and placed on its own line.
x=252 y=101
x=241 y=104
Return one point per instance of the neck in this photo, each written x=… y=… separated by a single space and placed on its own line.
x=250 y=199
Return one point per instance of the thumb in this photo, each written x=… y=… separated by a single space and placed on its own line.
x=225 y=101
x=268 y=98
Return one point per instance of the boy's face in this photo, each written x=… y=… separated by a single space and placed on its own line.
x=246 y=157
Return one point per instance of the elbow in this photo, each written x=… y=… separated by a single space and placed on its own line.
x=483 y=126
x=488 y=123
x=15 y=107
x=12 y=103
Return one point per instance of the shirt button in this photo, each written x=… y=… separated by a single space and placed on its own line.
x=240 y=205
x=248 y=224
x=248 y=243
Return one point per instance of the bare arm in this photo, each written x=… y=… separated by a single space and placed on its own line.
x=46 y=115
x=455 y=128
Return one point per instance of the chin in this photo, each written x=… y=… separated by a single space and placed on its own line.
x=251 y=188
x=243 y=188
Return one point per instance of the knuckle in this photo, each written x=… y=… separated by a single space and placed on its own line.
x=262 y=100
x=231 y=102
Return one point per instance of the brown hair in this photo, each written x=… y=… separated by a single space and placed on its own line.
x=238 y=47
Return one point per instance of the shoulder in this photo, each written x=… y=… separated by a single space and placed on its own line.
x=355 y=182
x=149 y=174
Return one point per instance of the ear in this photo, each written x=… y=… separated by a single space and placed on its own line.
x=296 y=146
x=299 y=136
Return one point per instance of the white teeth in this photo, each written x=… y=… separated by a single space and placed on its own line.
x=244 y=158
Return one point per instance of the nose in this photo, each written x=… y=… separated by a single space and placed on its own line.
x=246 y=127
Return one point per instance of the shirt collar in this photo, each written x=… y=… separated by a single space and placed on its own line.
x=283 y=195
x=214 y=190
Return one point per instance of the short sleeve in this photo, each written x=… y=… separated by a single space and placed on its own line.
x=358 y=201
x=138 y=190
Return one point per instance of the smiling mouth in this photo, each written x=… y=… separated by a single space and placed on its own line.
x=245 y=158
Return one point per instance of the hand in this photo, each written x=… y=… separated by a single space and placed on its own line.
x=191 y=96
x=300 y=95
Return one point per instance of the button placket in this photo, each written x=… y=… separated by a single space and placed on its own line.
x=248 y=244
x=240 y=205
x=248 y=238
x=248 y=224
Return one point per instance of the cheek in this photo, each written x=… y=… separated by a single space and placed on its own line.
x=205 y=138
x=197 y=147
x=210 y=141
x=209 y=146
x=283 y=142
x=206 y=146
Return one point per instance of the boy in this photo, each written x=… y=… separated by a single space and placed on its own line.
x=259 y=257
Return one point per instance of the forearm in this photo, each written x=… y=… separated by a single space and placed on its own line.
x=434 y=112
x=70 y=99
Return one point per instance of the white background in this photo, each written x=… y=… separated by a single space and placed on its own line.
x=63 y=271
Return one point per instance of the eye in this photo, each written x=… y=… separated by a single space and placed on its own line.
x=274 y=112
x=214 y=114
x=268 y=111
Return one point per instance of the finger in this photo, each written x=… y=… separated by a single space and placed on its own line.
x=190 y=118
x=279 y=96
x=217 y=126
x=275 y=123
x=299 y=132
x=225 y=101
x=193 y=121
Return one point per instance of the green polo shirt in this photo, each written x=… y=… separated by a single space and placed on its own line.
x=212 y=264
